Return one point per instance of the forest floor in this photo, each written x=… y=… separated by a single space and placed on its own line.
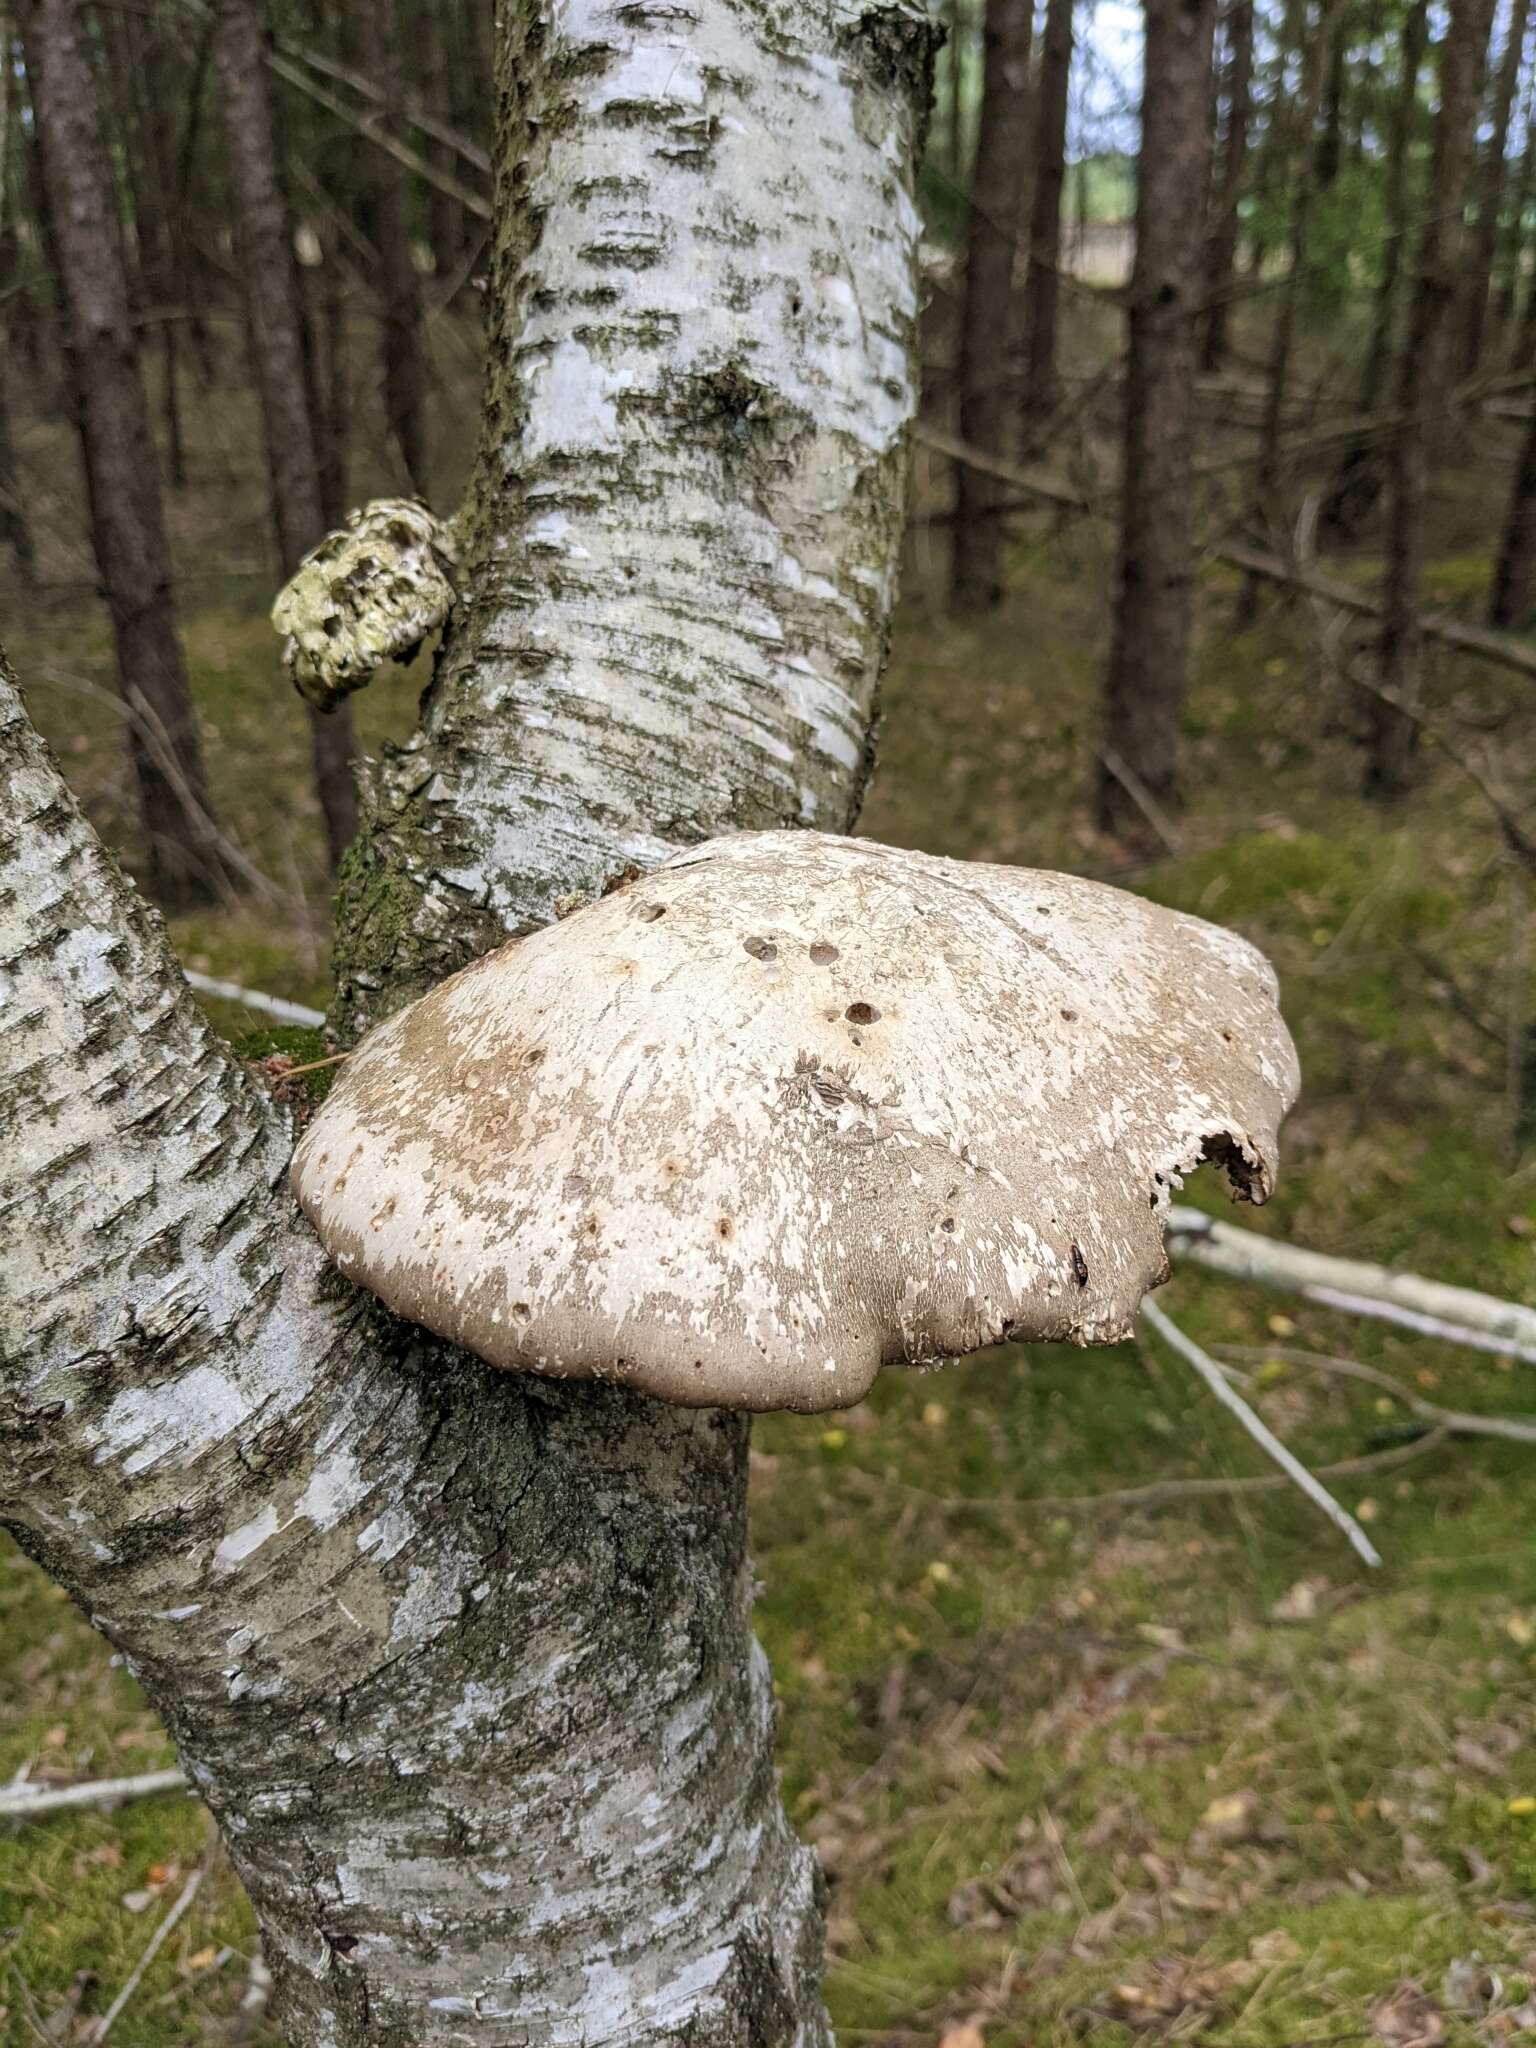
x=1076 y=1767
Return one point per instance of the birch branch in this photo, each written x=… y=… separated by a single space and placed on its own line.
x=32 y=1802
x=1455 y=1315
x=253 y=999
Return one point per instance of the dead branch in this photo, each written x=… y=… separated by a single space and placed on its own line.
x=1503 y=650
x=33 y=1802
x=1456 y=1315
x=1211 y=1373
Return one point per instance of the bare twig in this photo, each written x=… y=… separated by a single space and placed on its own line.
x=152 y=1949
x=1259 y=1430
x=1457 y=1315
x=1514 y=1429
x=1162 y=1492
x=32 y=1802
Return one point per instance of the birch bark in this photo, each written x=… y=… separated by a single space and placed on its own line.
x=462 y=1662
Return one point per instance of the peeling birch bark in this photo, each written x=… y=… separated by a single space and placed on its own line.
x=463 y=1664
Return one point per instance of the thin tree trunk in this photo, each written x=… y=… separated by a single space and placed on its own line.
x=1423 y=373
x=1268 y=479
x=385 y=196
x=1357 y=483
x=445 y=224
x=462 y=1661
x=997 y=193
x=1144 y=693
x=1524 y=188
x=1221 y=248
x=15 y=527
x=127 y=519
x=277 y=353
x=1513 y=598
x=1042 y=287
x=1330 y=140
x=1491 y=185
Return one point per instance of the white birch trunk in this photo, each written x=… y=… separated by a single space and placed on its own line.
x=462 y=1662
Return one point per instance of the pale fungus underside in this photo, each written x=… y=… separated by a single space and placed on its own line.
x=793 y=1107
x=369 y=593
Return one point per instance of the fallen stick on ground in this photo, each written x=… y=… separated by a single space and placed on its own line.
x=1457 y=1315
x=1259 y=1430
x=152 y=1949
x=32 y=1802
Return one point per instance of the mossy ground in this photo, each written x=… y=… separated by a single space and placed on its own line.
x=1183 y=1770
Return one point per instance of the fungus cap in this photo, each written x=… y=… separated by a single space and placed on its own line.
x=793 y=1107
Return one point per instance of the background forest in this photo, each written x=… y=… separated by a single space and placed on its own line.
x=1220 y=583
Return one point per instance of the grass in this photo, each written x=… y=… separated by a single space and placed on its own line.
x=1074 y=1769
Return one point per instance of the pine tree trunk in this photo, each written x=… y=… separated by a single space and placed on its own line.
x=1357 y=483
x=1042 y=287
x=462 y=1661
x=1221 y=248
x=386 y=219
x=1513 y=599
x=277 y=354
x=997 y=193
x=1144 y=693
x=122 y=476
x=1423 y=375
x=1491 y=184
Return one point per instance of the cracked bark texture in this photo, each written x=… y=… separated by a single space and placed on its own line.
x=462 y=1662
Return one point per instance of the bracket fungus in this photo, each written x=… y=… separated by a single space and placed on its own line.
x=793 y=1107
x=369 y=593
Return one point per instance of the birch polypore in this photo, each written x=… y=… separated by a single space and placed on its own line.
x=793 y=1107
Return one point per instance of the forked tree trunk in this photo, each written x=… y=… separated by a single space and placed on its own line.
x=1042 y=291
x=1423 y=375
x=127 y=518
x=462 y=1661
x=1513 y=599
x=277 y=354
x=385 y=211
x=1144 y=693
x=991 y=245
x=1221 y=247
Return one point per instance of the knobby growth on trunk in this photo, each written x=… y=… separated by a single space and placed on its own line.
x=122 y=476
x=462 y=1661
x=991 y=245
x=1144 y=694
x=282 y=376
